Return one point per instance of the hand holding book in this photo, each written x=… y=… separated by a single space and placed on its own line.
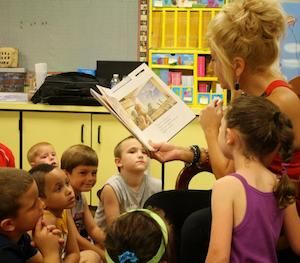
x=146 y=106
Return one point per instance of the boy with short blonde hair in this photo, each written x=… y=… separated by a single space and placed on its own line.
x=130 y=187
x=42 y=152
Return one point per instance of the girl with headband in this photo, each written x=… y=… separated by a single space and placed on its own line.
x=141 y=236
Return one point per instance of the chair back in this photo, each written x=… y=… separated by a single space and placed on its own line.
x=187 y=173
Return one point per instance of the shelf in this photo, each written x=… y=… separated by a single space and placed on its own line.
x=207 y=78
x=162 y=66
x=174 y=9
x=179 y=53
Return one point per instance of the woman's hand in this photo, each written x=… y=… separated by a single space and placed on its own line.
x=210 y=117
x=165 y=152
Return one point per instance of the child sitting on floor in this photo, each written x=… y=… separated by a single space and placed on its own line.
x=42 y=152
x=21 y=211
x=57 y=195
x=80 y=162
x=7 y=158
x=131 y=187
x=139 y=235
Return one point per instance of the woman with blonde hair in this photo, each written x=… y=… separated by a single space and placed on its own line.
x=244 y=38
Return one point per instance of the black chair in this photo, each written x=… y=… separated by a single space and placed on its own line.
x=178 y=204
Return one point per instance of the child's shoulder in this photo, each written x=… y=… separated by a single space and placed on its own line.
x=49 y=218
x=228 y=181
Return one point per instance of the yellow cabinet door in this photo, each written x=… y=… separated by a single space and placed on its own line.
x=10 y=133
x=191 y=134
x=106 y=133
x=58 y=128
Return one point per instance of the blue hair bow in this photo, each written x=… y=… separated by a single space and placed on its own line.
x=128 y=256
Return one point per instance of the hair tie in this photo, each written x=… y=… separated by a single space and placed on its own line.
x=276 y=117
x=128 y=256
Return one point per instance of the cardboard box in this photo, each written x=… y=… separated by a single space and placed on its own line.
x=12 y=79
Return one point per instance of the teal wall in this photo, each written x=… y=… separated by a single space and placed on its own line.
x=67 y=34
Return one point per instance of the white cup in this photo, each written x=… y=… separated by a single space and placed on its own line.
x=40 y=74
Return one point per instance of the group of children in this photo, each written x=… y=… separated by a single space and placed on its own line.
x=57 y=206
x=59 y=225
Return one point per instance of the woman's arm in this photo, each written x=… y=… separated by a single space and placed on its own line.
x=210 y=120
x=289 y=104
x=110 y=204
x=222 y=222
x=71 y=248
x=165 y=152
x=291 y=223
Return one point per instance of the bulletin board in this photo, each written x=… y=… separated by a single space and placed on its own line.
x=69 y=34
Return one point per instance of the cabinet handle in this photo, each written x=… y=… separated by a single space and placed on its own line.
x=99 y=133
x=82 y=133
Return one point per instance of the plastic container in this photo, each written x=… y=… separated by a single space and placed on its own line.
x=115 y=80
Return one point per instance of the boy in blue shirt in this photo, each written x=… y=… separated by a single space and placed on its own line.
x=21 y=211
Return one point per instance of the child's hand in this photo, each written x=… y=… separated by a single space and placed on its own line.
x=46 y=239
x=55 y=231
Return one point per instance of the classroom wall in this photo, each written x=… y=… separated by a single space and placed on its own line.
x=68 y=34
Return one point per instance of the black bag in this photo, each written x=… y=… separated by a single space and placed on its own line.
x=70 y=88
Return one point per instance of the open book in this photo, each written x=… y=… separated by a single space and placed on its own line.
x=146 y=106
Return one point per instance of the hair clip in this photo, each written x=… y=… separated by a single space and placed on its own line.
x=128 y=256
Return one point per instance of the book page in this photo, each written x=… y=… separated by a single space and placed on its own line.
x=147 y=106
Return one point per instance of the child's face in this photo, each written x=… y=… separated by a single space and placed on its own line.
x=83 y=178
x=46 y=154
x=134 y=156
x=59 y=192
x=31 y=209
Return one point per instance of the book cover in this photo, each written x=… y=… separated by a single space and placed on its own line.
x=146 y=106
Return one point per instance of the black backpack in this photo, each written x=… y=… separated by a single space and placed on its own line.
x=70 y=88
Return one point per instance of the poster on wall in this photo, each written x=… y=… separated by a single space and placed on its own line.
x=290 y=47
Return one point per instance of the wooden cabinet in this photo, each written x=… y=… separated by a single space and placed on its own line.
x=100 y=131
x=58 y=128
x=106 y=133
x=10 y=132
x=62 y=129
x=64 y=126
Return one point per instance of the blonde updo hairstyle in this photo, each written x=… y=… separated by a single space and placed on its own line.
x=250 y=29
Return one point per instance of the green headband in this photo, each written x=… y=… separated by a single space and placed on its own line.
x=164 y=241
